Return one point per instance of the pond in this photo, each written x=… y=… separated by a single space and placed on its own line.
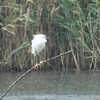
x=52 y=85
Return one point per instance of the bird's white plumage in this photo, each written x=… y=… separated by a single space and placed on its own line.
x=38 y=43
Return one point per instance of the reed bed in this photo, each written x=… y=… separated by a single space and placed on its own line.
x=71 y=25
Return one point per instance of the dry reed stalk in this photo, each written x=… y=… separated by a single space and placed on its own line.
x=57 y=19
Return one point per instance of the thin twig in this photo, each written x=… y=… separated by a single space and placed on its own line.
x=19 y=78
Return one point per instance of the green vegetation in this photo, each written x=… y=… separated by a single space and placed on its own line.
x=71 y=24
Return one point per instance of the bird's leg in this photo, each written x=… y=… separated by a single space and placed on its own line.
x=41 y=62
x=38 y=59
x=37 y=62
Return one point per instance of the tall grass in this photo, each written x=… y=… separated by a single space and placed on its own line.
x=71 y=25
x=77 y=24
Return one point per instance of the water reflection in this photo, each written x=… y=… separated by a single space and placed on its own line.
x=47 y=85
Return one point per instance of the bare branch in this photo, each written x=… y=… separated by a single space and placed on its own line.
x=34 y=67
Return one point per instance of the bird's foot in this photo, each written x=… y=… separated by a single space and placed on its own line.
x=42 y=63
x=36 y=66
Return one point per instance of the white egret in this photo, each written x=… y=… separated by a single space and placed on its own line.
x=38 y=44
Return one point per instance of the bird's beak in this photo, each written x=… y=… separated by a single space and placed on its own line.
x=48 y=38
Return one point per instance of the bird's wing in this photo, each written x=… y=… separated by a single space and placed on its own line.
x=37 y=46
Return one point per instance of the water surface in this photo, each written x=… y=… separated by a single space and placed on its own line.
x=52 y=85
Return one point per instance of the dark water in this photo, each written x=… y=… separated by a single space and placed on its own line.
x=52 y=85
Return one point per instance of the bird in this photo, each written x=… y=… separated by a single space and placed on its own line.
x=38 y=43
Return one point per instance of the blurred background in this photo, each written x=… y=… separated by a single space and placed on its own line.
x=71 y=25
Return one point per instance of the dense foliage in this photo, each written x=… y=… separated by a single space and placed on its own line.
x=71 y=25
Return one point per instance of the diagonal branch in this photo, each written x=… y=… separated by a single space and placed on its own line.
x=23 y=75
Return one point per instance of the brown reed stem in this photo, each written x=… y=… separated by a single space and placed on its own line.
x=19 y=78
